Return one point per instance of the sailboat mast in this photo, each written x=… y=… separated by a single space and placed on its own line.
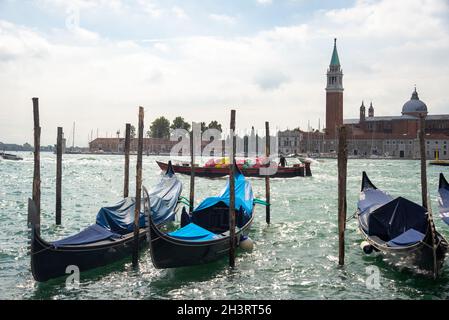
x=73 y=137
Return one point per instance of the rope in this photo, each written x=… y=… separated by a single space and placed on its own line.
x=184 y=198
x=184 y=202
x=352 y=217
x=259 y=201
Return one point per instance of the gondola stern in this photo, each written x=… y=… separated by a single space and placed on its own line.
x=366 y=182
x=170 y=170
x=443 y=184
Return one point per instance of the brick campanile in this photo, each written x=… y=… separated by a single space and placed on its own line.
x=334 y=95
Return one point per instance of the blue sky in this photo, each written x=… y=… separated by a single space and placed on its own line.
x=251 y=16
x=95 y=61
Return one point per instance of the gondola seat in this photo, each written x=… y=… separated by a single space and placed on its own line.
x=409 y=237
x=93 y=233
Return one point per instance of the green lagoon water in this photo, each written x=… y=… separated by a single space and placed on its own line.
x=295 y=257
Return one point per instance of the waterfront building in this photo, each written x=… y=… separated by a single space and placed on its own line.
x=370 y=135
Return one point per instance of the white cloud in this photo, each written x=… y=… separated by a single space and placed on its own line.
x=149 y=7
x=82 y=4
x=179 y=13
x=276 y=74
x=264 y=2
x=223 y=18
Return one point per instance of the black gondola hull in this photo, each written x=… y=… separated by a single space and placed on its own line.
x=169 y=252
x=417 y=258
x=49 y=262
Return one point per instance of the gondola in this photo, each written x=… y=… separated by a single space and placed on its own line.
x=399 y=229
x=204 y=235
x=108 y=240
x=443 y=199
x=302 y=170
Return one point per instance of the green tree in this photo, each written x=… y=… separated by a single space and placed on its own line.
x=160 y=128
x=132 y=132
x=179 y=123
x=203 y=126
x=214 y=125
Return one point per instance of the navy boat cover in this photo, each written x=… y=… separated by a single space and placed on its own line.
x=395 y=218
x=409 y=237
x=93 y=233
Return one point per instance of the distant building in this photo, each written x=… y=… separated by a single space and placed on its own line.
x=370 y=136
x=150 y=145
x=297 y=141
x=396 y=136
x=117 y=145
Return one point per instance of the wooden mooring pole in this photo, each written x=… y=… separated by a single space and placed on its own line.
x=37 y=171
x=192 y=170
x=267 y=177
x=58 y=175
x=422 y=149
x=424 y=195
x=126 y=174
x=257 y=145
x=342 y=174
x=138 y=189
x=232 y=194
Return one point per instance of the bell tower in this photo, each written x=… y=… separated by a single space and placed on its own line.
x=371 y=110
x=334 y=95
x=362 y=112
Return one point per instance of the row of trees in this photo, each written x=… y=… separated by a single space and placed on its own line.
x=160 y=127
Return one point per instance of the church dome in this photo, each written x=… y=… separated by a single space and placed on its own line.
x=414 y=106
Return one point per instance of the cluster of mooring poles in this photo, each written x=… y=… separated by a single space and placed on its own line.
x=36 y=199
x=59 y=146
x=342 y=178
x=232 y=169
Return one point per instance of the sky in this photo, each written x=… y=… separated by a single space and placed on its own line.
x=93 y=62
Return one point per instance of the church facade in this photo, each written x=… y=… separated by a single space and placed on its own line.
x=370 y=135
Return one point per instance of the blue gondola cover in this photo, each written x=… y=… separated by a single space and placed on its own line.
x=193 y=232
x=120 y=217
x=244 y=198
x=163 y=200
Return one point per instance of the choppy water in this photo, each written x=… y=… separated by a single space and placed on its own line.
x=294 y=258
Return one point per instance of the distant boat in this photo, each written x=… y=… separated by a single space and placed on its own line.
x=297 y=170
x=438 y=162
x=9 y=156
